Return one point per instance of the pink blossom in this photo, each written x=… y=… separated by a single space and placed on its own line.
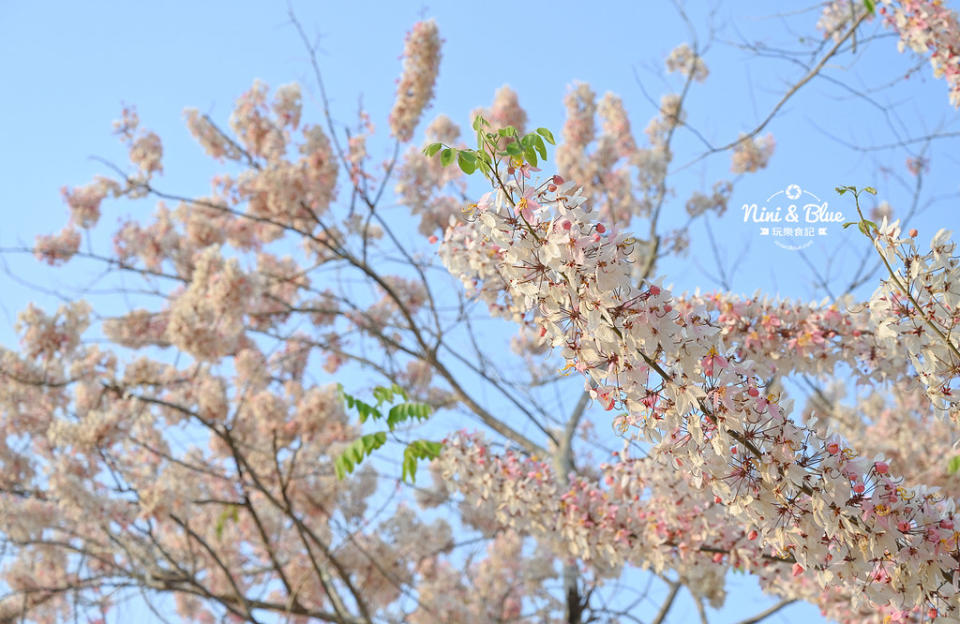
x=415 y=88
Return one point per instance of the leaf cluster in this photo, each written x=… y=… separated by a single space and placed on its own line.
x=398 y=413
x=867 y=228
x=505 y=144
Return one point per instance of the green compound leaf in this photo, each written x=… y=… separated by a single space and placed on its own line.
x=953 y=465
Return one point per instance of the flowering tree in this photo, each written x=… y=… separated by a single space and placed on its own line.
x=190 y=447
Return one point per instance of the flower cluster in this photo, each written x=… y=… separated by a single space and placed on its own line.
x=206 y=321
x=421 y=63
x=215 y=143
x=716 y=201
x=918 y=309
x=813 y=498
x=146 y=149
x=929 y=26
x=687 y=62
x=84 y=201
x=751 y=154
x=423 y=184
x=607 y=169
x=505 y=111
x=56 y=249
x=838 y=16
x=634 y=513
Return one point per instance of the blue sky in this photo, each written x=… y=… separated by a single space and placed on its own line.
x=69 y=68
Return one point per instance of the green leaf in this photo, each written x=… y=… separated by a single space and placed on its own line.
x=467 y=162
x=530 y=155
x=507 y=131
x=841 y=190
x=364 y=410
x=409 y=467
x=342 y=466
x=229 y=513
x=426 y=449
x=359 y=449
x=407 y=411
x=446 y=157
x=954 y=465
x=547 y=135
x=871 y=7
x=432 y=149
x=374 y=441
x=513 y=149
x=387 y=395
x=355 y=453
x=870 y=189
x=416 y=450
x=382 y=395
x=400 y=391
x=539 y=146
x=848 y=224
